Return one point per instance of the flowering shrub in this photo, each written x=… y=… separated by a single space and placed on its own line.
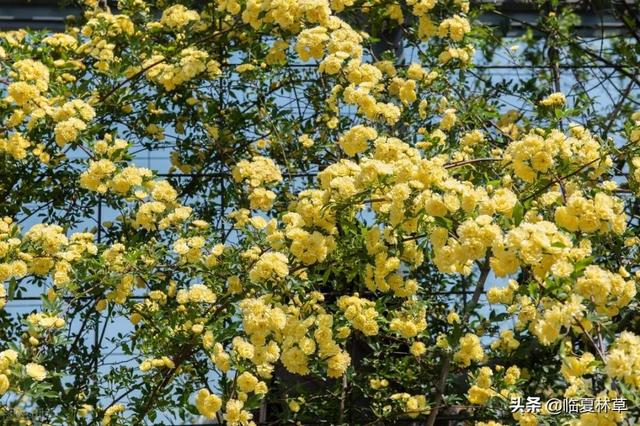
x=289 y=265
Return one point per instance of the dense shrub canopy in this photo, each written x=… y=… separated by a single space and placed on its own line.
x=362 y=222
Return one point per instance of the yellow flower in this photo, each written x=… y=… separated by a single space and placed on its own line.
x=4 y=384
x=448 y=119
x=511 y=375
x=295 y=361
x=271 y=265
x=418 y=349
x=262 y=199
x=554 y=99
x=246 y=382
x=308 y=247
x=84 y=410
x=478 y=395
x=109 y=412
x=338 y=364
x=36 y=371
x=453 y=317
x=67 y=131
x=22 y=92
x=455 y=27
x=208 y=404
x=470 y=350
x=355 y=140
x=310 y=43
x=504 y=200
x=178 y=16
x=360 y=312
x=294 y=406
x=257 y=172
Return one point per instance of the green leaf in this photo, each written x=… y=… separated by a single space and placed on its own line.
x=518 y=213
x=13 y=284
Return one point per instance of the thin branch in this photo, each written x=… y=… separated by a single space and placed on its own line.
x=471 y=161
x=446 y=363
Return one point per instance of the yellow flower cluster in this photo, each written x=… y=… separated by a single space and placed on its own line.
x=197 y=293
x=8 y=358
x=462 y=54
x=409 y=191
x=635 y=162
x=410 y=321
x=32 y=80
x=573 y=368
x=310 y=43
x=257 y=172
x=235 y=415
x=247 y=383
x=623 y=361
x=369 y=107
x=261 y=199
x=191 y=62
x=163 y=211
x=101 y=27
x=15 y=145
x=538 y=154
x=384 y=276
x=608 y=291
x=176 y=17
x=110 y=412
x=36 y=371
x=405 y=90
x=21 y=92
x=122 y=290
x=271 y=265
x=46 y=248
x=309 y=248
x=558 y=315
x=539 y=245
x=472 y=138
x=45 y=320
x=376 y=384
x=470 y=350
x=189 y=249
x=455 y=28
x=68 y=130
x=97 y=172
x=355 y=140
x=608 y=417
x=285 y=14
x=474 y=238
x=481 y=391
x=602 y=214
x=208 y=404
x=364 y=79
x=74 y=108
x=361 y=313
x=297 y=346
x=507 y=342
x=260 y=320
x=61 y=41
x=586 y=151
x=71 y=118
x=418 y=349
x=413 y=405
x=554 y=99
x=534 y=154
x=164 y=362
x=8 y=361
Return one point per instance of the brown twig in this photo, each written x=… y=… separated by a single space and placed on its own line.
x=471 y=161
x=446 y=363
